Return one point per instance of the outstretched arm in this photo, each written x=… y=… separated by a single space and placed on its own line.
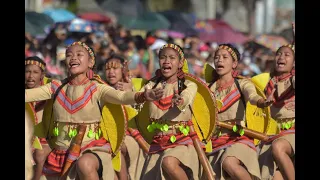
x=38 y=94
x=111 y=95
x=250 y=93
x=108 y=94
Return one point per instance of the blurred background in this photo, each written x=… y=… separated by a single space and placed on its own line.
x=138 y=28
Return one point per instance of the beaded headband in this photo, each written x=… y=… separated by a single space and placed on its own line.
x=114 y=65
x=175 y=47
x=37 y=63
x=86 y=47
x=233 y=54
x=291 y=46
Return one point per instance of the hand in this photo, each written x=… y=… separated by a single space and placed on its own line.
x=153 y=94
x=176 y=99
x=122 y=86
x=270 y=98
x=290 y=104
x=264 y=103
x=268 y=102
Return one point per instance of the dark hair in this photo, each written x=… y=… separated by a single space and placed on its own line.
x=89 y=42
x=115 y=56
x=123 y=47
x=94 y=67
x=128 y=39
x=36 y=58
x=233 y=48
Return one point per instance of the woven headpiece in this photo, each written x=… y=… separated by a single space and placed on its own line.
x=35 y=61
x=86 y=47
x=291 y=46
x=175 y=47
x=230 y=50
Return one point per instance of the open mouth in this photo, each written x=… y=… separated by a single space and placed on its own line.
x=74 y=64
x=281 y=64
x=166 y=69
x=220 y=67
x=30 y=82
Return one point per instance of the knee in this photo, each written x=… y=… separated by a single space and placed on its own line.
x=87 y=164
x=230 y=164
x=279 y=148
x=170 y=163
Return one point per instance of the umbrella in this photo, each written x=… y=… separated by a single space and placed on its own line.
x=38 y=20
x=60 y=15
x=272 y=42
x=180 y=22
x=219 y=31
x=131 y=8
x=30 y=28
x=81 y=25
x=96 y=17
x=147 y=21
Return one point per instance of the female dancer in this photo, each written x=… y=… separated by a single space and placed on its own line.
x=233 y=153
x=277 y=155
x=171 y=154
x=34 y=77
x=76 y=105
x=117 y=76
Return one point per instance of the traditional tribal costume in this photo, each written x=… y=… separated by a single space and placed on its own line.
x=76 y=104
x=171 y=125
x=226 y=143
x=27 y=149
x=284 y=86
x=38 y=107
x=135 y=153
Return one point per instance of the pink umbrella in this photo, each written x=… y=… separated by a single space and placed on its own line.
x=95 y=17
x=219 y=31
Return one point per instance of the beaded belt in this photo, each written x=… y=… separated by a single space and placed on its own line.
x=94 y=129
x=163 y=128
x=286 y=123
